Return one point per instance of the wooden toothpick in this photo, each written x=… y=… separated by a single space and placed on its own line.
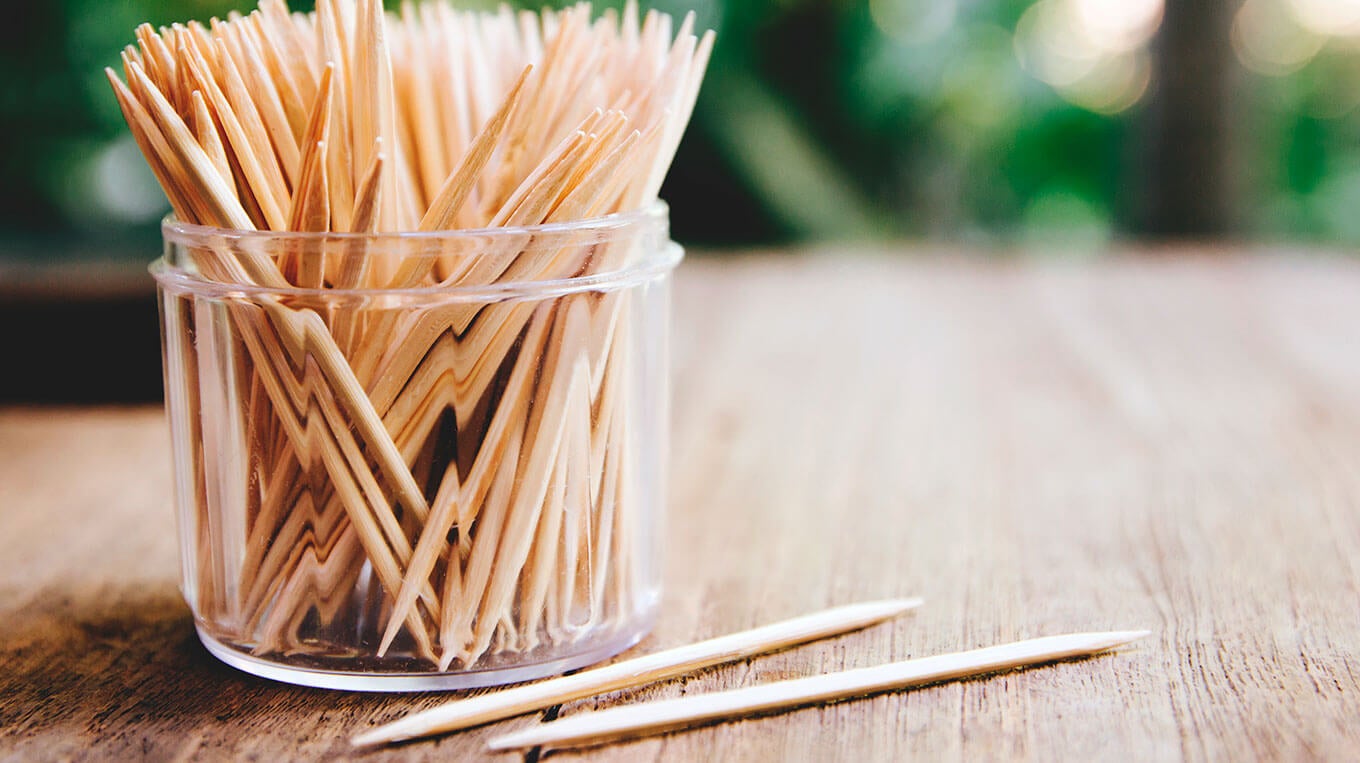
x=601 y=726
x=636 y=672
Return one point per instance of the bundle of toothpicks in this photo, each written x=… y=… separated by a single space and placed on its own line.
x=472 y=459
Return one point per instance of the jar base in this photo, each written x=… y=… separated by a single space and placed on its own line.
x=417 y=682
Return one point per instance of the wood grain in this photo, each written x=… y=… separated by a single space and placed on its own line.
x=1169 y=442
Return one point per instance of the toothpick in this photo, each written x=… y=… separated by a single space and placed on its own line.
x=316 y=441
x=311 y=212
x=453 y=507
x=592 y=728
x=547 y=421
x=196 y=175
x=639 y=671
x=354 y=265
x=246 y=137
x=266 y=95
x=459 y=185
x=206 y=131
x=330 y=43
x=280 y=73
x=540 y=569
x=154 y=147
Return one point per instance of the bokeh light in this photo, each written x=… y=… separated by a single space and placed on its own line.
x=1092 y=52
x=1118 y=26
x=1327 y=17
x=1268 y=38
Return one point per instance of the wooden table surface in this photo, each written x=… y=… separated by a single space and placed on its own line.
x=1169 y=442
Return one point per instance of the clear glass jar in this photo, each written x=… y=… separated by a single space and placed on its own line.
x=422 y=461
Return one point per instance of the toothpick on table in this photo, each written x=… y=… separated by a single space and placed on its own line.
x=638 y=671
x=629 y=721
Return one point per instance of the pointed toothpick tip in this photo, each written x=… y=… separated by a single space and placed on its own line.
x=1120 y=638
x=393 y=628
x=909 y=603
x=374 y=737
x=511 y=742
x=885 y=609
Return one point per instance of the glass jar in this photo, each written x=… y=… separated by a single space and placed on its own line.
x=408 y=462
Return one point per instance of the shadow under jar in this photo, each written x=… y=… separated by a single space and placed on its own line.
x=422 y=461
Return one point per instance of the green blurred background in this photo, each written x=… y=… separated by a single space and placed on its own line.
x=1048 y=128
x=995 y=122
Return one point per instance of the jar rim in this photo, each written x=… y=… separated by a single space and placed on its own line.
x=647 y=224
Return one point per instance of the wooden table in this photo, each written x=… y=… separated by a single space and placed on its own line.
x=1171 y=442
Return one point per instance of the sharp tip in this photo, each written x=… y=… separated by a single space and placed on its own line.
x=388 y=733
x=366 y=739
x=508 y=743
x=1114 y=639
x=388 y=637
x=887 y=608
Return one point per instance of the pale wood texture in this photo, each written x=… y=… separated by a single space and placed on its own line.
x=1170 y=442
